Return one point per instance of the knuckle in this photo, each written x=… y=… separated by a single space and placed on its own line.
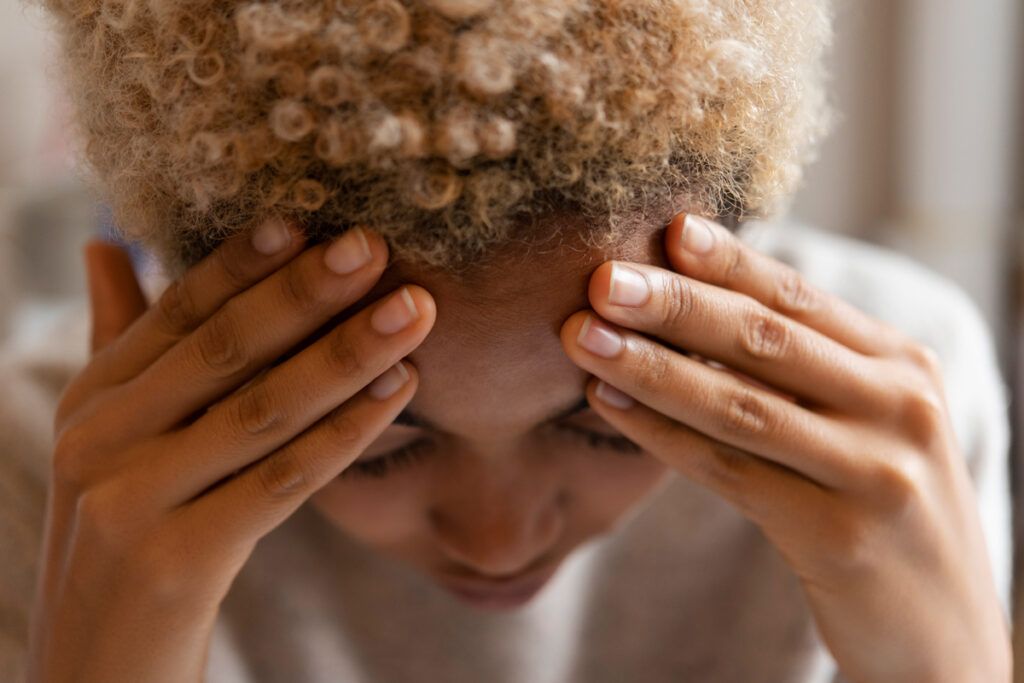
x=924 y=358
x=344 y=430
x=66 y=404
x=254 y=412
x=736 y=264
x=765 y=336
x=101 y=519
x=677 y=303
x=70 y=455
x=728 y=471
x=922 y=413
x=74 y=397
x=280 y=476
x=745 y=414
x=178 y=309
x=653 y=367
x=896 y=482
x=794 y=294
x=219 y=345
x=231 y=269
x=343 y=357
x=299 y=289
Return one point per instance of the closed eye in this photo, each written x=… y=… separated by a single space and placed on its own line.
x=382 y=464
x=615 y=442
x=385 y=463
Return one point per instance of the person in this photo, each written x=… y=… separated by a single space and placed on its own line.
x=464 y=372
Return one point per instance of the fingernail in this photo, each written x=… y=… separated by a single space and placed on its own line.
x=599 y=339
x=395 y=314
x=613 y=397
x=628 y=287
x=348 y=253
x=393 y=379
x=271 y=237
x=697 y=235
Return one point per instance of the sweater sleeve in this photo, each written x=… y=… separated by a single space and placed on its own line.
x=978 y=400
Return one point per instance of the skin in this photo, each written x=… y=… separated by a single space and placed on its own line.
x=499 y=489
x=826 y=428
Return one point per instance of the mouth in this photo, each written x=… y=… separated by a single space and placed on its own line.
x=499 y=594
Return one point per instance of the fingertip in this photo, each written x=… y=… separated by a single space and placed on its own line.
x=100 y=251
x=571 y=328
x=600 y=283
x=606 y=394
x=400 y=377
x=674 y=244
x=375 y=242
x=110 y=269
x=691 y=238
x=410 y=369
x=90 y=255
x=674 y=231
x=424 y=302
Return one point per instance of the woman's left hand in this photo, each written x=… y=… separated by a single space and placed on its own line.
x=825 y=427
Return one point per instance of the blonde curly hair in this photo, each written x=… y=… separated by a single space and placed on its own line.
x=443 y=124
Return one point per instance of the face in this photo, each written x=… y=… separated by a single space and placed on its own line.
x=497 y=468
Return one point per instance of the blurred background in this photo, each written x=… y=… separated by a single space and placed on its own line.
x=927 y=158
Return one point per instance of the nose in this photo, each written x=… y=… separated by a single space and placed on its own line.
x=498 y=520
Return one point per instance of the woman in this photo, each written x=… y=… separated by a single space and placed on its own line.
x=422 y=279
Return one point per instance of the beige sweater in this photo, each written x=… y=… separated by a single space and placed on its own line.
x=686 y=590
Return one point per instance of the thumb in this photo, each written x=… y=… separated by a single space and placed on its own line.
x=115 y=296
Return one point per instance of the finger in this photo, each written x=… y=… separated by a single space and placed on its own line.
x=712 y=402
x=252 y=330
x=246 y=507
x=254 y=421
x=115 y=297
x=772 y=495
x=186 y=303
x=701 y=249
x=735 y=330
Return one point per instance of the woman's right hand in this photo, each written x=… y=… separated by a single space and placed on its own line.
x=181 y=443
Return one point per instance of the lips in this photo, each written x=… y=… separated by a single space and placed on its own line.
x=498 y=593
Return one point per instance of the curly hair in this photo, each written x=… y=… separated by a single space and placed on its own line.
x=443 y=124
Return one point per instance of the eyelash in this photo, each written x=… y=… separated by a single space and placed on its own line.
x=383 y=464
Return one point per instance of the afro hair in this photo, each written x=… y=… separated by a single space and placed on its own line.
x=442 y=124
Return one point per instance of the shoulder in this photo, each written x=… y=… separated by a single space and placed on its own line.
x=939 y=314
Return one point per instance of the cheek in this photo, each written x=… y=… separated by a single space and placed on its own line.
x=381 y=512
x=605 y=488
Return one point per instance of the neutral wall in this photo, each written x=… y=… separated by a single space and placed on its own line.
x=923 y=157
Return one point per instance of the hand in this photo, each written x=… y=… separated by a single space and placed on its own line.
x=829 y=431
x=183 y=442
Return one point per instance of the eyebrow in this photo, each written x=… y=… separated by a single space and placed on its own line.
x=411 y=419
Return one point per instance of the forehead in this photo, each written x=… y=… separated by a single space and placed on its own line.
x=493 y=363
